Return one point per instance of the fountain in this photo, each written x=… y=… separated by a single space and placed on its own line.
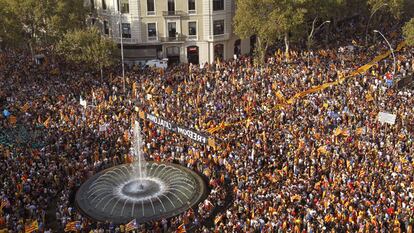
x=143 y=190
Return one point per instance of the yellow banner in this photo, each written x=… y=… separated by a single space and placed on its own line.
x=360 y=70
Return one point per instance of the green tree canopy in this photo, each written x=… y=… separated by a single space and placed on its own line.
x=41 y=22
x=68 y=15
x=408 y=31
x=325 y=9
x=394 y=7
x=10 y=32
x=87 y=47
x=269 y=20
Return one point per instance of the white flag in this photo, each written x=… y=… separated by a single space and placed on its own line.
x=82 y=102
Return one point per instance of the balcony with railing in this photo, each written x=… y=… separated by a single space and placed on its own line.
x=192 y=37
x=173 y=13
x=224 y=36
x=152 y=39
x=125 y=40
x=179 y=38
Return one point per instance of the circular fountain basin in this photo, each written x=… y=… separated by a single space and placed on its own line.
x=118 y=195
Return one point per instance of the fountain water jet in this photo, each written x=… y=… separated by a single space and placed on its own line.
x=144 y=190
x=139 y=160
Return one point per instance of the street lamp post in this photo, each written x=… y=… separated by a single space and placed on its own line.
x=122 y=52
x=392 y=50
x=312 y=33
x=122 y=46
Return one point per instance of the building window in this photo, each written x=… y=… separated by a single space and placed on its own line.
x=192 y=28
x=106 y=27
x=126 y=30
x=218 y=52
x=104 y=4
x=191 y=7
x=172 y=29
x=124 y=6
x=150 y=7
x=218 y=5
x=173 y=51
x=171 y=6
x=218 y=27
x=152 y=31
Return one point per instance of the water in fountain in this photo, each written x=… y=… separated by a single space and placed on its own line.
x=145 y=190
x=139 y=160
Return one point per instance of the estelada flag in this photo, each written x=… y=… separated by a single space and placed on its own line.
x=25 y=107
x=47 y=122
x=132 y=225
x=33 y=226
x=218 y=219
x=4 y=203
x=72 y=226
x=181 y=229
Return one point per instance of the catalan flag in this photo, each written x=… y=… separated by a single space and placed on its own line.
x=4 y=203
x=25 y=107
x=72 y=226
x=181 y=229
x=131 y=226
x=322 y=150
x=218 y=219
x=47 y=122
x=33 y=226
x=280 y=96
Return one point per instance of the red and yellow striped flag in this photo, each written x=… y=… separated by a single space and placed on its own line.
x=72 y=226
x=33 y=226
x=47 y=122
x=4 y=203
x=131 y=226
x=25 y=107
x=181 y=229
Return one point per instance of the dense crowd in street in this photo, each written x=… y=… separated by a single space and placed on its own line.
x=322 y=163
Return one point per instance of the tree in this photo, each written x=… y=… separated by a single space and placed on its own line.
x=324 y=9
x=67 y=15
x=10 y=33
x=88 y=47
x=319 y=12
x=394 y=7
x=269 y=20
x=408 y=31
x=44 y=22
x=31 y=17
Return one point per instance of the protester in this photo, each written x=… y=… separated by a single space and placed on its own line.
x=321 y=163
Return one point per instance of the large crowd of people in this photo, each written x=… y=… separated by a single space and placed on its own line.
x=322 y=163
